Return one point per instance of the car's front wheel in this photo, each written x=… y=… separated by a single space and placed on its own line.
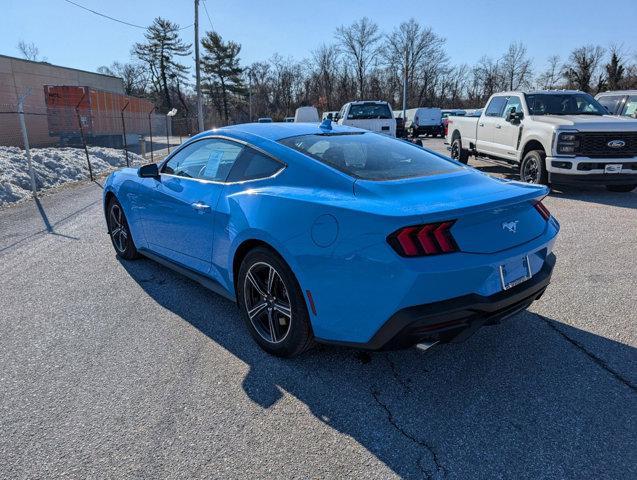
x=533 y=168
x=620 y=188
x=273 y=304
x=119 y=231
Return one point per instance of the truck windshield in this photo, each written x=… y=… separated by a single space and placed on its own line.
x=367 y=111
x=563 y=104
x=370 y=156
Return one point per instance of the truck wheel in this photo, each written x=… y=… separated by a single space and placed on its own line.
x=620 y=188
x=533 y=168
x=458 y=153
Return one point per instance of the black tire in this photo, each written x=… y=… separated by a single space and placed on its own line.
x=274 y=298
x=458 y=153
x=620 y=188
x=119 y=231
x=533 y=168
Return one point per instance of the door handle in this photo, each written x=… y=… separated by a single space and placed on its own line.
x=200 y=207
x=481 y=124
x=498 y=126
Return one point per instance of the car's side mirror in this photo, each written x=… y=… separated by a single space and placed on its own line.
x=513 y=116
x=148 y=171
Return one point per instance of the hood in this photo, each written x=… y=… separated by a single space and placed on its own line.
x=589 y=123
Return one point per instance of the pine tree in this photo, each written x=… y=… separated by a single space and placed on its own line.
x=614 y=72
x=220 y=64
x=162 y=46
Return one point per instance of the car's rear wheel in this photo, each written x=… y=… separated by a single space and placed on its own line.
x=272 y=304
x=119 y=231
x=620 y=188
x=458 y=153
x=533 y=168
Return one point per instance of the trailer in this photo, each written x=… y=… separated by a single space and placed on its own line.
x=104 y=118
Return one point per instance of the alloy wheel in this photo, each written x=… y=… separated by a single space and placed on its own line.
x=455 y=151
x=118 y=228
x=531 y=171
x=267 y=302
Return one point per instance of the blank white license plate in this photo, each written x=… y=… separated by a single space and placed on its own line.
x=515 y=272
x=613 y=168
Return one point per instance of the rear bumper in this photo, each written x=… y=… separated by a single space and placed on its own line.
x=427 y=129
x=457 y=318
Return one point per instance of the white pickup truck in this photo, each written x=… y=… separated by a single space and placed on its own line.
x=373 y=115
x=556 y=136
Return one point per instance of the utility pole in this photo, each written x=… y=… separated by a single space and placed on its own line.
x=250 y=95
x=198 y=69
x=405 y=87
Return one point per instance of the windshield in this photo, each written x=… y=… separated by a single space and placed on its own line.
x=366 y=111
x=563 y=104
x=371 y=156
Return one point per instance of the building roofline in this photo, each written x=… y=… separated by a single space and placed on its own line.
x=57 y=66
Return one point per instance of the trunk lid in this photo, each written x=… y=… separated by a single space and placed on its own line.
x=490 y=214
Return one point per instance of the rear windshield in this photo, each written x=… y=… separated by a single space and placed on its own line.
x=367 y=111
x=371 y=156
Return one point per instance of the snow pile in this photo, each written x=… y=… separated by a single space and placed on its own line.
x=54 y=167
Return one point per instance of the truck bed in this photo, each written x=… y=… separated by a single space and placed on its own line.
x=467 y=126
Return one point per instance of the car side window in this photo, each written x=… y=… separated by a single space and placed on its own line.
x=208 y=159
x=630 y=109
x=611 y=102
x=252 y=165
x=496 y=107
x=512 y=102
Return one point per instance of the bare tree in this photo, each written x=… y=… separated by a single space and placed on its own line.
x=488 y=77
x=516 y=67
x=418 y=53
x=551 y=78
x=583 y=69
x=29 y=51
x=326 y=60
x=133 y=75
x=359 y=42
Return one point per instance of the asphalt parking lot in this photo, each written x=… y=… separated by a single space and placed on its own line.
x=115 y=369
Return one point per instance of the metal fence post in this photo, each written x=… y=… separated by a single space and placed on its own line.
x=124 y=131
x=25 y=139
x=79 y=122
x=167 y=136
x=150 y=134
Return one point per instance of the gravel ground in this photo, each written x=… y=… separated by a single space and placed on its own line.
x=125 y=369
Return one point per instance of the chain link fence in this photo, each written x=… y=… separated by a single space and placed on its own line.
x=69 y=139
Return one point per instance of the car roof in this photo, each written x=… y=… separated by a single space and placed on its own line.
x=618 y=92
x=535 y=92
x=277 y=131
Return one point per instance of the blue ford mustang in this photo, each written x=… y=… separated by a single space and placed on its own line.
x=335 y=234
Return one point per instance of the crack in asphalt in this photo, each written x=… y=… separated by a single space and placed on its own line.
x=396 y=374
x=597 y=360
x=440 y=469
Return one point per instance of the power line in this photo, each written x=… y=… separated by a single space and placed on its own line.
x=113 y=18
x=208 y=15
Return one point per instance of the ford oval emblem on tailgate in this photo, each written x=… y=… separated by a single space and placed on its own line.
x=616 y=144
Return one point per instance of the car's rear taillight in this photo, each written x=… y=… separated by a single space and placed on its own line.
x=422 y=240
x=542 y=210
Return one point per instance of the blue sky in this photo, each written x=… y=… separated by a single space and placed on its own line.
x=70 y=36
